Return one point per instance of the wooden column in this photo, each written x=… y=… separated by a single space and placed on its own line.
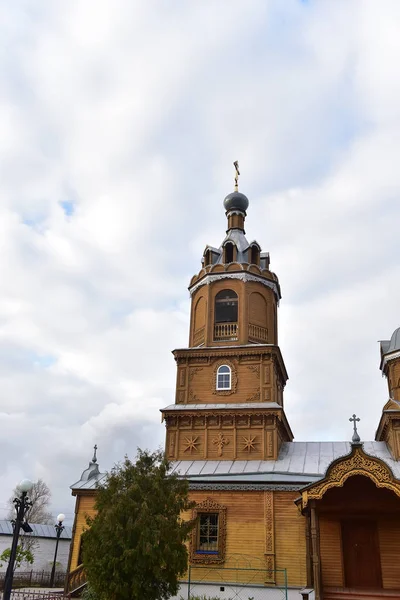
x=316 y=555
x=309 y=566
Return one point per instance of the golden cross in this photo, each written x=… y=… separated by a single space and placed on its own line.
x=236 y=165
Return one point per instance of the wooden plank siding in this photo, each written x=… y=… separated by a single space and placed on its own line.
x=245 y=520
x=331 y=552
x=332 y=558
x=389 y=544
x=290 y=539
x=85 y=506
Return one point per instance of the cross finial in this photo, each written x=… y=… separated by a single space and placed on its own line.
x=356 y=438
x=236 y=165
x=94 y=459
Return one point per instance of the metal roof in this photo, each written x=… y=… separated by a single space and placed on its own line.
x=39 y=530
x=88 y=484
x=226 y=406
x=297 y=462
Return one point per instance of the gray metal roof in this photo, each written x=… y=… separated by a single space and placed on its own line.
x=303 y=462
x=226 y=406
x=88 y=484
x=39 y=530
x=298 y=463
x=392 y=345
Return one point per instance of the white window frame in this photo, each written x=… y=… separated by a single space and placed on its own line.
x=222 y=388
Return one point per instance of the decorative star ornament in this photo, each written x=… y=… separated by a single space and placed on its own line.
x=249 y=443
x=191 y=443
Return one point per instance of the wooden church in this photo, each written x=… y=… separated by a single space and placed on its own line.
x=327 y=514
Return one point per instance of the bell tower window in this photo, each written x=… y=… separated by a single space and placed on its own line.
x=226 y=316
x=228 y=253
x=226 y=307
x=255 y=255
x=224 y=378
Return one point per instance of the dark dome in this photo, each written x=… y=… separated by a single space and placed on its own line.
x=236 y=201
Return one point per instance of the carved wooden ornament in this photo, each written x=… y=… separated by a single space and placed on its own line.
x=209 y=506
x=357 y=463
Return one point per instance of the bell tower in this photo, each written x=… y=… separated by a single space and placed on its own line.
x=230 y=380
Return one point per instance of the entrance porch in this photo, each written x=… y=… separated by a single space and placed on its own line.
x=359 y=538
x=353 y=517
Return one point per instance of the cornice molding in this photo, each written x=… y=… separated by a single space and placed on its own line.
x=389 y=357
x=245 y=487
x=245 y=277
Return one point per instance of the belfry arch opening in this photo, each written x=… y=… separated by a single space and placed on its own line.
x=254 y=255
x=229 y=252
x=226 y=315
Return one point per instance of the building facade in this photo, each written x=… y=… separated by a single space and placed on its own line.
x=43 y=546
x=324 y=515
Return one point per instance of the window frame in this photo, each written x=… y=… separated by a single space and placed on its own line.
x=229 y=374
x=208 y=506
x=201 y=515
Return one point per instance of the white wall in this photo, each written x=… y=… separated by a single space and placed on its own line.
x=43 y=553
x=237 y=592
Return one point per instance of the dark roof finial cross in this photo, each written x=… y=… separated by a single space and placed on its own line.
x=236 y=165
x=356 y=438
x=94 y=459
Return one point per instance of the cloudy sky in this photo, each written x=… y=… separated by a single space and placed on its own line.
x=120 y=120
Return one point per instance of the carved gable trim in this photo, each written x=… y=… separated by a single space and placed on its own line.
x=392 y=404
x=209 y=506
x=356 y=463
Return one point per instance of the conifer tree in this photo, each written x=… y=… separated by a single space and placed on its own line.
x=134 y=548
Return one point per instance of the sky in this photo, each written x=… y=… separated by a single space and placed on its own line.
x=120 y=121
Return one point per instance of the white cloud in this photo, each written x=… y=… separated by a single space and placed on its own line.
x=132 y=113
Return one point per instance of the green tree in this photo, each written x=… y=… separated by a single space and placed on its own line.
x=23 y=556
x=135 y=546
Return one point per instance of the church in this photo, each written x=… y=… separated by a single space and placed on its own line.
x=322 y=517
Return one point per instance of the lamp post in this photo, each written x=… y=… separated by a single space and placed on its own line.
x=21 y=506
x=59 y=529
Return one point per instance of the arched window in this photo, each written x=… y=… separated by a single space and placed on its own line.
x=255 y=255
x=224 y=378
x=226 y=307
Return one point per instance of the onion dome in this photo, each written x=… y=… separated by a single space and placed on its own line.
x=395 y=341
x=236 y=201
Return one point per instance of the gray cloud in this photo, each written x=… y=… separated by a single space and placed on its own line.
x=120 y=122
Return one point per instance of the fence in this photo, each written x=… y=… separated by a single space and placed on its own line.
x=21 y=595
x=235 y=583
x=34 y=579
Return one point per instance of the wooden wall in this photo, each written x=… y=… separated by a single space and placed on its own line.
x=84 y=507
x=265 y=525
x=253 y=377
x=331 y=551
x=274 y=534
x=389 y=543
x=290 y=538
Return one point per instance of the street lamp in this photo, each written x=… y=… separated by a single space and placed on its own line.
x=21 y=506
x=59 y=529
